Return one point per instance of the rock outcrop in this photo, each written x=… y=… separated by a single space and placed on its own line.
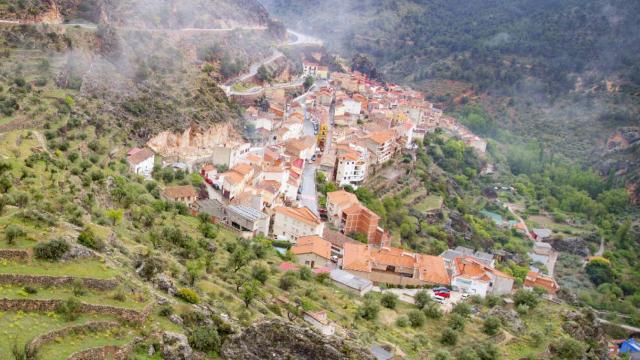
x=175 y=347
x=276 y=339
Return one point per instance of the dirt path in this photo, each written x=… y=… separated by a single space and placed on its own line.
x=601 y=248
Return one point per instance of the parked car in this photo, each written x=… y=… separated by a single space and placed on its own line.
x=439 y=299
x=465 y=295
x=444 y=294
x=440 y=289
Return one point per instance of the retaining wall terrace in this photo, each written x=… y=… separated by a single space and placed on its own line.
x=31 y=305
x=92 y=326
x=14 y=254
x=110 y=352
x=44 y=280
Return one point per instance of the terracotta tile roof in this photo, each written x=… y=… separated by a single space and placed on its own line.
x=208 y=167
x=232 y=177
x=270 y=185
x=357 y=209
x=381 y=137
x=468 y=267
x=534 y=279
x=341 y=197
x=312 y=244
x=336 y=238
x=177 y=192
x=139 y=156
x=303 y=214
x=394 y=257
x=357 y=257
x=242 y=169
x=433 y=269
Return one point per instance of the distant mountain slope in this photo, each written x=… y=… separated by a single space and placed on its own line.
x=490 y=43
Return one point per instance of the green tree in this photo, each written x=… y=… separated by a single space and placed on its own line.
x=239 y=258
x=526 y=297
x=449 y=337
x=369 y=310
x=422 y=298
x=416 y=318
x=260 y=273
x=13 y=232
x=249 y=293
x=462 y=309
x=288 y=280
x=457 y=322
x=567 y=348
x=389 y=300
x=205 y=338
x=308 y=82
x=491 y=325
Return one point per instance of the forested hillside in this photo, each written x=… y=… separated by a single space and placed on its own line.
x=563 y=72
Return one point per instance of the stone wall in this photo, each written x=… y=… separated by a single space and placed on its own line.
x=128 y=315
x=14 y=254
x=110 y=352
x=43 y=280
x=92 y=326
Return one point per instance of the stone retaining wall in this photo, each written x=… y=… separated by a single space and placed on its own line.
x=110 y=352
x=14 y=254
x=44 y=280
x=92 y=326
x=129 y=315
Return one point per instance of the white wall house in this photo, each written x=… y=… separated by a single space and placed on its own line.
x=290 y=223
x=141 y=161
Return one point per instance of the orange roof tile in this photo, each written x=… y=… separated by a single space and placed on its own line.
x=303 y=214
x=232 y=177
x=176 y=192
x=357 y=257
x=433 y=269
x=381 y=137
x=341 y=197
x=312 y=244
x=242 y=169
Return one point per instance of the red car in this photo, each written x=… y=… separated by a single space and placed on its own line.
x=444 y=294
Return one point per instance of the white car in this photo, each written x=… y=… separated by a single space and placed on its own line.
x=439 y=299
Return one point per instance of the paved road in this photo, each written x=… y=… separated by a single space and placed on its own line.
x=302 y=39
x=308 y=197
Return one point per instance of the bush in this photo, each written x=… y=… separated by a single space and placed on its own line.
x=52 y=250
x=90 y=240
x=188 y=295
x=462 y=309
x=449 y=337
x=260 y=273
x=205 y=339
x=457 y=322
x=70 y=309
x=369 y=310
x=422 y=298
x=416 y=318
x=389 y=300
x=566 y=348
x=305 y=273
x=432 y=311
x=491 y=301
x=491 y=325
x=287 y=281
x=12 y=232
x=522 y=309
x=166 y=311
x=30 y=290
x=442 y=355
x=526 y=297
x=402 y=321
x=78 y=287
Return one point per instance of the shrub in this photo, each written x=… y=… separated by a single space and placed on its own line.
x=491 y=325
x=78 y=287
x=526 y=297
x=491 y=301
x=30 y=290
x=442 y=355
x=260 y=273
x=449 y=337
x=188 y=295
x=422 y=298
x=205 y=339
x=522 y=309
x=457 y=322
x=70 y=309
x=287 y=281
x=486 y=351
x=12 y=232
x=389 y=300
x=305 y=273
x=432 y=311
x=462 y=309
x=369 y=310
x=402 y=321
x=566 y=348
x=416 y=318
x=166 y=311
x=52 y=250
x=90 y=240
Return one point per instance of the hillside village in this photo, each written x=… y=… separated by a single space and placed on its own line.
x=342 y=129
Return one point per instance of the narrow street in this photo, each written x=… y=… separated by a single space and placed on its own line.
x=308 y=196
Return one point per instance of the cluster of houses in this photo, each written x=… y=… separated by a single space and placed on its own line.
x=254 y=187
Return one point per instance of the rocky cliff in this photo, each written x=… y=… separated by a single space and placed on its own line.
x=276 y=339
